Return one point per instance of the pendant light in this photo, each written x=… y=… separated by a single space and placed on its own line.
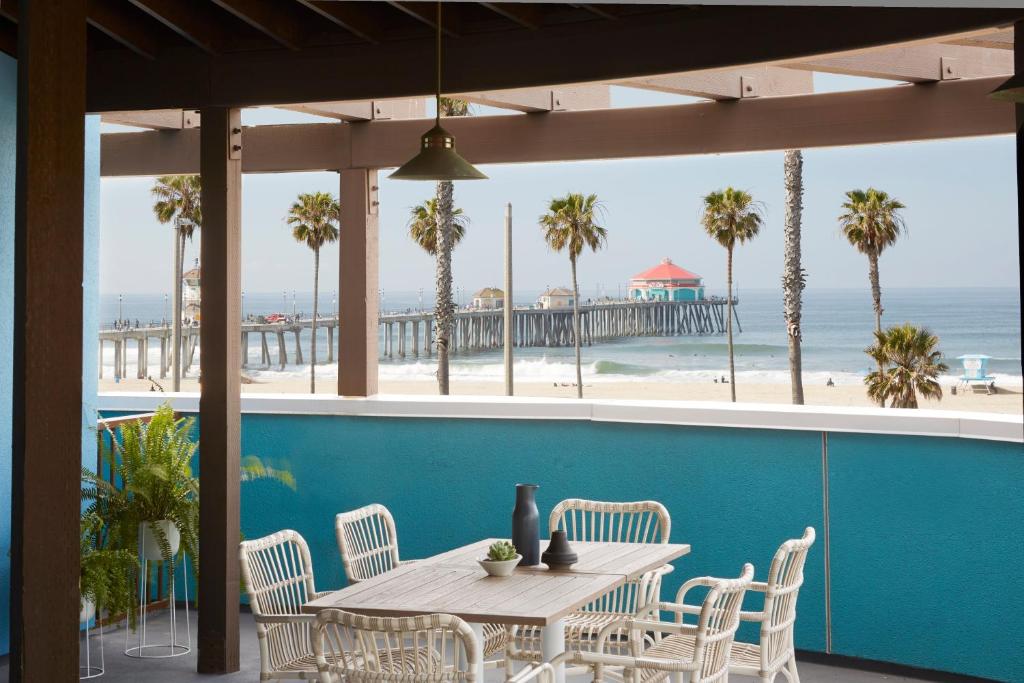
x=437 y=159
x=1010 y=91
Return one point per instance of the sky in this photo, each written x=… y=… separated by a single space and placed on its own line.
x=960 y=197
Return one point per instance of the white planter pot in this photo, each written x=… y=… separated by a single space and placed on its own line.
x=500 y=567
x=87 y=612
x=151 y=546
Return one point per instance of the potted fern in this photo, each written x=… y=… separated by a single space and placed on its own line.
x=154 y=506
x=107 y=577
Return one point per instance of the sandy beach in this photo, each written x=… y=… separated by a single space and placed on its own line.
x=1008 y=400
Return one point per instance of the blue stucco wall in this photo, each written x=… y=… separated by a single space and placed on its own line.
x=8 y=95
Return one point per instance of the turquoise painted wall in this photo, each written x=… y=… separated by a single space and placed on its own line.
x=8 y=93
x=90 y=328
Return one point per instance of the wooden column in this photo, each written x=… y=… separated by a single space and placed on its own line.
x=219 y=404
x=47 y=381
x=357 y=284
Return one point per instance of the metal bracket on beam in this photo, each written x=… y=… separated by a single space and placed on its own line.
x=235 y=137
x=372 y=201
x=948 y=69
x=748 y=87
x=190 y=118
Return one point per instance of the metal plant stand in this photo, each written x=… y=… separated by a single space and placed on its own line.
x=173 y=645
x=89 y=669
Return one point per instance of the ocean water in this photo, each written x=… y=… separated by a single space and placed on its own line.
x=837 y=326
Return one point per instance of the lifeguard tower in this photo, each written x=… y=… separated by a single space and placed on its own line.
x=975 y=373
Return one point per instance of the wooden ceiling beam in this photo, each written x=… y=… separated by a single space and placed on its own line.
x=524 y=14
x=351 y=16
x=950 y=109
x=426 y=13
x=645 y=44
x=731 y=84
x=598 y=10
x=160 y=119
x=996 y=40
x=9 y=10
x=273 y=18
x=537 y=100
x=196 y=22
x=917 y=63
x=124 y=25
x=366 y=110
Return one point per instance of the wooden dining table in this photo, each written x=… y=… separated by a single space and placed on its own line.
x=453 y=583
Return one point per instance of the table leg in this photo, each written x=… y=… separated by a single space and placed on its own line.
x=478 y=631
x=552 y=644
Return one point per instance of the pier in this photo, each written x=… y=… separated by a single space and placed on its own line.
x=411 y=335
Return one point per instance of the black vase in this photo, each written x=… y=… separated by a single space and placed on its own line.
x=559 y=554
x=526 y=525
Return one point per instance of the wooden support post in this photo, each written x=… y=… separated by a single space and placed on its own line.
x=163 y=356
x=282 y=350
x=245 y=349
x=219 y=400
x=46 y=413
x=330 y=343
x=358 y=283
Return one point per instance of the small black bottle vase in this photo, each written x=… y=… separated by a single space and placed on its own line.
x=526 y=525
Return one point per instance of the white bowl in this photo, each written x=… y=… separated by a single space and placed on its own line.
x=499 y=567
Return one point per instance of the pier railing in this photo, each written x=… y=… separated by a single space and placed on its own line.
x=412 y=334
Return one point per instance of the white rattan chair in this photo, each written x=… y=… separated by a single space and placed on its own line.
x=774 y=651
x=278 y=576
x=701 y=652
x=431 y=648
x=368 y=543
x=589 y=520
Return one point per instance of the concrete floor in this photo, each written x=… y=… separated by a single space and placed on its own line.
x=122 y=669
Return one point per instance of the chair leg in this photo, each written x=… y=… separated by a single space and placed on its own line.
x=791 y=673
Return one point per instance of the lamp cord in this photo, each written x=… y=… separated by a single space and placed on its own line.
x=438 y=113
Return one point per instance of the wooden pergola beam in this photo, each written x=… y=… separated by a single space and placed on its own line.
x=536 y=100
x=121 y=23
x=950 y=109
x=271 y=17
x=552 y=54
x=161 y=119
x=918 y=63
x=351 y=16
x=426 y=13
x=8 y=38
x=367 y=110
x=524 y=14
x=731 y=84
x=193 y=21
x=996 y=40
x=46 y=413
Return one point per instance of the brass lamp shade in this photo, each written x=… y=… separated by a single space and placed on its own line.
x=1010 y=91
x=437 y=160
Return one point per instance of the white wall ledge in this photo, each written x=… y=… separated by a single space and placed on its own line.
x=955 y=424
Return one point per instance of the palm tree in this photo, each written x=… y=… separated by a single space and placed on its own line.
x=731 y=217
x=445 y=240
x=423 y=225
x=314 y=218
x=872 y=222
x=571 y=223
x=909 y=364
x=793 y=276
x=178 y=199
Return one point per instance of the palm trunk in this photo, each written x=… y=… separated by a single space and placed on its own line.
x=792 y=270
x=728 y=325
x=576 y=327
x=179 y=261
x=876 y=299
x=444 y=307
x=876 y=289
x=316 y=297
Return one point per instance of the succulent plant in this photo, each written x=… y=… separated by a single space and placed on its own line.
x=501 y=551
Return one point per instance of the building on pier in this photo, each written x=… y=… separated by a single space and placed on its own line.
x=190 y=293
x=489 y=299
x=555 y=298
x=666 y=282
